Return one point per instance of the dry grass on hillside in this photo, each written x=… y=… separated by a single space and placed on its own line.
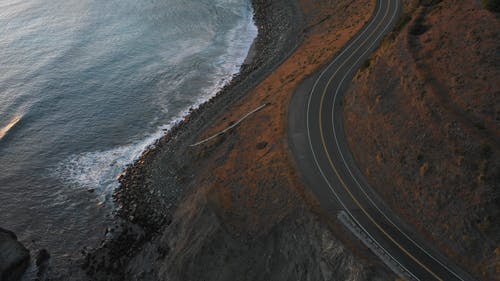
x=422 y=121
x=251 y=177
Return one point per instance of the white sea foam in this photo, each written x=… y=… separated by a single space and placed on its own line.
x=100 y=170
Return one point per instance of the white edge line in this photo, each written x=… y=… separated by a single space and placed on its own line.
x=352 y=175
x=312 y=149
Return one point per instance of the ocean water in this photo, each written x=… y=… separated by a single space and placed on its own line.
x=85 y=87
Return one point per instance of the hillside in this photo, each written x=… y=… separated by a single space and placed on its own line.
x=422 y=120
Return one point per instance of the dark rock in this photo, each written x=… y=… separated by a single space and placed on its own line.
x=14 y=257
x=42 y=257
x=42 y=262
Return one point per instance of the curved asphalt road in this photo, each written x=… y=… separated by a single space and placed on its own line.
x=317 y=140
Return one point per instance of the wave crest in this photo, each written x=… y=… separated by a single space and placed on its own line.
x=10 y=125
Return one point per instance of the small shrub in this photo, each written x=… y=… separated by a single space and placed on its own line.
x=402 y=22
x=479 y=126
x=429 y=3
x=261 y=145
x=366 y=64
x=418 y=27
x=492 y=5
x=420 y=157
x=486 y=151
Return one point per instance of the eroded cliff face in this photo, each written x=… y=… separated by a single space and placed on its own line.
x=199 y=245
x=422 y=121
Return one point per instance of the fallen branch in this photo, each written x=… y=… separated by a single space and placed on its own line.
x=230 y=127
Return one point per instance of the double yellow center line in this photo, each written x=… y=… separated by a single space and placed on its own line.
x=335 y=169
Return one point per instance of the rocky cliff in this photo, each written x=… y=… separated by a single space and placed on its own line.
x=14 y=257
x=199 y=245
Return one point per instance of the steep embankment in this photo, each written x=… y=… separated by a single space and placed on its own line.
x=233 y=208
x=422 y=121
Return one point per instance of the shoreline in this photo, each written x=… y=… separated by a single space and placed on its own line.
x=255 y=68
x=152 y=186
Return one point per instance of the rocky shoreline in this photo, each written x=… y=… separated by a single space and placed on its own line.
x=163 y=167
x=276 y=39
x=151 y=189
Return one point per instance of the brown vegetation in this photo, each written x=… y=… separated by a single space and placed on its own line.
x=428 y=104
x=254 y=186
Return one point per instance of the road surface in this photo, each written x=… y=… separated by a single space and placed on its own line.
x=317 y=140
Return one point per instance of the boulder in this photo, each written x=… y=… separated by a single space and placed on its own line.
x=14 y=257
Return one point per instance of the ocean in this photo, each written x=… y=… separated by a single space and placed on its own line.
x=85 y=87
